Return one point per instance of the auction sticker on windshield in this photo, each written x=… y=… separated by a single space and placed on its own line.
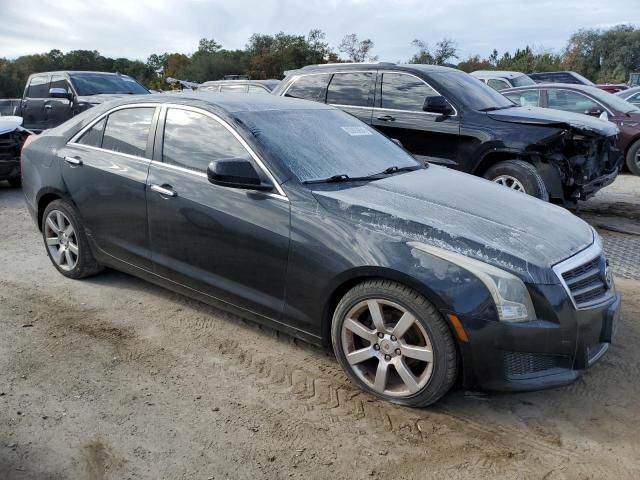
x=356 y=131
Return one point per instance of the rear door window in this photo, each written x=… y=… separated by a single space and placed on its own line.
x=257 y=89
x=309 y=87
x=127 y=131
x=350 y=89
x=192 y=140
x=38 y=87
x=93 y=136
x=404 y=92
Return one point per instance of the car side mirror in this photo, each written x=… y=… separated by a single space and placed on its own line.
x=236 y=173
x=594 y=112
x=437 y=104
x=57 y=92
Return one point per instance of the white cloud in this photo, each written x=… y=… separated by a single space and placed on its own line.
x=120 y=28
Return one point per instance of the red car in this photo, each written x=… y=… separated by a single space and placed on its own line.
x=590 y=101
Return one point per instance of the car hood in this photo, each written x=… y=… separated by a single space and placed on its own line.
x=554 y=118
x=467 y=215
x=9 y=124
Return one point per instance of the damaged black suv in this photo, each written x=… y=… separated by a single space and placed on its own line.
x=445 y=116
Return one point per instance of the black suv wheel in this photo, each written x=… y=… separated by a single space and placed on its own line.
x=520 y=176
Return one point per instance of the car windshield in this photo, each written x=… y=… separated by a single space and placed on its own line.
x=95 y=84
x=522 y=81
x=614 y=101
x=319 y=144
x=467 y=90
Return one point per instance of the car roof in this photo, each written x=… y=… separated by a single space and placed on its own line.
x=226 y=102
x=497 y=73
x=406 y=67
x=557 y=71
x=556 y=86
x=243 y=81
x=79 y=72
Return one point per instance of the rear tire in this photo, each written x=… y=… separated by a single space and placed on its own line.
x=393 y=343
x=66 y=241
x=15 y=182
x=633 y=158
x=520 y=176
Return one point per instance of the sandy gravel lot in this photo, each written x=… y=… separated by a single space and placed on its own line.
x=114 y=378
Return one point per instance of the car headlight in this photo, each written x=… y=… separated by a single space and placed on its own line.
x=509 y=293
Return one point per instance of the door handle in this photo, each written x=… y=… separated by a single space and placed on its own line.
x=167 y=192
x=386 y=118
x=73 y=160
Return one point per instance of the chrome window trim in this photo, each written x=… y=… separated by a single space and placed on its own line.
x=120 y=154
x=413 y=111
x=579 y=93
x=580 y=258
x=166 y=106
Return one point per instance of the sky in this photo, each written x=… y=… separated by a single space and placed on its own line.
x=137 y=28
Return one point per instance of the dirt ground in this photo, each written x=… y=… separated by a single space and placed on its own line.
x=114 y=378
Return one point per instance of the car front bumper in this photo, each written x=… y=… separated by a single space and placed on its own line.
x=538 y=354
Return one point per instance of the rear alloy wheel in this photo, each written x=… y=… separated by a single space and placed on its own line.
x=393 y=343
x=520 y=176
x=66 y=241
x=633 y=158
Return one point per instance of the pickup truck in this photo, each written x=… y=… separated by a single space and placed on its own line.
x=51 y=98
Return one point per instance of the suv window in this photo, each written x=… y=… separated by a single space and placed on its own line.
x=192 y=140
x=570 y=101
x=127 y=130
x=38 y=87
x=497 y=84
x=58 y=81
x=529 y=98
x=350 y=89
x=404 y=92
x=309 y=87
x=93 y=136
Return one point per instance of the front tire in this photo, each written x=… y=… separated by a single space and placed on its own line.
x=393 y=343
x=633 y=158
x=520 y=176
x=66 y=241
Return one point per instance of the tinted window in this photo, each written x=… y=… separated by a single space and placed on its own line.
x=349 y=89
x=93 y=136
x=634 y=98
x=192 y=140
x=257 y=89
x=497 y=84
x=127 y=131
x=319 y=143
x=468 y=91
x=38 y=87
x=522 y=81
x=58 y=81
x=570 y=101
x=404 y=92
x=234 y=88
x=309 y=87
x=96 y=83
x=529 y=98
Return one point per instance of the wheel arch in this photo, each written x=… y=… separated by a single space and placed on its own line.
x=45 y=197
x=493 y=157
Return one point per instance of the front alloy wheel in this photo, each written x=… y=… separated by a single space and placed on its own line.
x=393 y=343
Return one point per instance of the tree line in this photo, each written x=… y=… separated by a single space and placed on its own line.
x=601 y=55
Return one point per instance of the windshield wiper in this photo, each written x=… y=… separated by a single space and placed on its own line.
x=373 y=176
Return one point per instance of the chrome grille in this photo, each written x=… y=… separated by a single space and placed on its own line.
x=584 y=276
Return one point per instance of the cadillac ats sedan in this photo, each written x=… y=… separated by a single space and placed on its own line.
x=298 y=215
